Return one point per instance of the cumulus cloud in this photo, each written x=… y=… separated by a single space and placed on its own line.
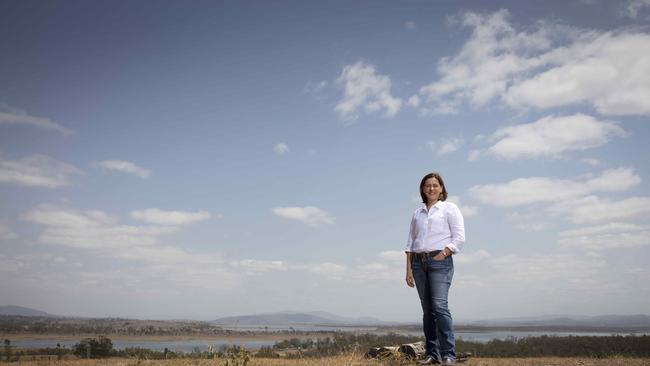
x=634 y=7
x=447 y=146
x=551 y=136
x=37 y=171
x=364 y=89
x=592 y=162
x=546 y=267
x=474 y=154
x=472 y=257
x=12 y=116
x=528 y=222
x=332 y=270
x=591 y=209
x=101 y=235
x=393 y=255
x=315 y=88
x=524 y=191
x=253 y=266
x=310 y=215
x=467 y=211
x=546 y=66
x=6 y=233
x=607 y=236
x=172 y=218
x=280 y=148
x=123 y=166
x=91 y=229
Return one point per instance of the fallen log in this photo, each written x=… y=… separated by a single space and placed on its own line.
x=412 y=351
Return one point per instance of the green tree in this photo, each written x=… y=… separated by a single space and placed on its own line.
x=8 y=349
x=94 y=348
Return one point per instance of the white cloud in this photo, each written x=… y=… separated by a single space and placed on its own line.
x=472 y=257
x=280 y=148
x=536 y=226
x=592 y=162
x=315 y=88
x=161 y=267
x=123 y=166
x=11 y=116
x=37 y=171
x=593 y=209
x=592 y=70
x=172 y=218
x=413 y=101
x=310 y=215
x=257 y=266
x=447 y=146
x=367 y=90
x=6 y=233
x=485 y=64
x=474 y=155
x=548 y=66
x=327 y=269
x=523 y=191
x=607 y=236
x=609 y=228
x=544 y=268
x=27 y=262
x=633 y=7
x=551 y=136
x=467 y=211
x=393 y=255
x=92 y=230
x=174 y=274
x=410 y=25
x=611 y=180
x=528 y=222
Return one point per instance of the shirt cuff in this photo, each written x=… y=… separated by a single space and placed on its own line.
x=453 y=248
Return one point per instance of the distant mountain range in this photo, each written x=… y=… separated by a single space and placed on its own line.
x=21 y=311
x=602 y=322
x=288 y=318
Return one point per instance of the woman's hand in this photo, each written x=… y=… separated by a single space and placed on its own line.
x=410 y=281
x=442 y=255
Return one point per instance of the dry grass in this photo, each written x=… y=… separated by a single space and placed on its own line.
x=347 y=360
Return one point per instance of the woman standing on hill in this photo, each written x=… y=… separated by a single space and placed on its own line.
x=437 y=232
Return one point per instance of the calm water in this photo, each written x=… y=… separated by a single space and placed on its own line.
x=178 y=346
x=190 y=345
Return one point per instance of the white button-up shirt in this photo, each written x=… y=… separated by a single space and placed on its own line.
x=442 y=226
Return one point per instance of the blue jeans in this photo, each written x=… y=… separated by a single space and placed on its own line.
x=433 y=279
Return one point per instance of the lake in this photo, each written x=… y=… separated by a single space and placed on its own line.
x=202 y=344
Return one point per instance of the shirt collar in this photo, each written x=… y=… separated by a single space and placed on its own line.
x=436 y=205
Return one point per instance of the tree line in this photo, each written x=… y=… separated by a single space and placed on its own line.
x=113 y=326
x=544 y=346
x=15 y=324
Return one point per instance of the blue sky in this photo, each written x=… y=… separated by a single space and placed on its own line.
x=212 y=158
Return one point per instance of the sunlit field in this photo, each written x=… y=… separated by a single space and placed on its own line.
x=346 y=360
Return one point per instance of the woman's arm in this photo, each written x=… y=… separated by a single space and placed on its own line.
x=457 y=230
x=410 y=281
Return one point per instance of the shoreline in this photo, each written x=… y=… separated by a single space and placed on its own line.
x=165 y=338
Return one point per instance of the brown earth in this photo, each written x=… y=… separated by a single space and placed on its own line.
x=347 y=360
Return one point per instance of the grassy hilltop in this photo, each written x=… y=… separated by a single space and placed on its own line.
x=347 y=360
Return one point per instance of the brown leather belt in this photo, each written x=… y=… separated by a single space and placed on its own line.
x=425 y=255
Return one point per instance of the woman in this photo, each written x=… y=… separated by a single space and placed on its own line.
x=437 y=233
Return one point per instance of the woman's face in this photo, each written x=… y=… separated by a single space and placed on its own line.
x=432 y=189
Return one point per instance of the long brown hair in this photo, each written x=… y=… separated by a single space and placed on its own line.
x=443 y=195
